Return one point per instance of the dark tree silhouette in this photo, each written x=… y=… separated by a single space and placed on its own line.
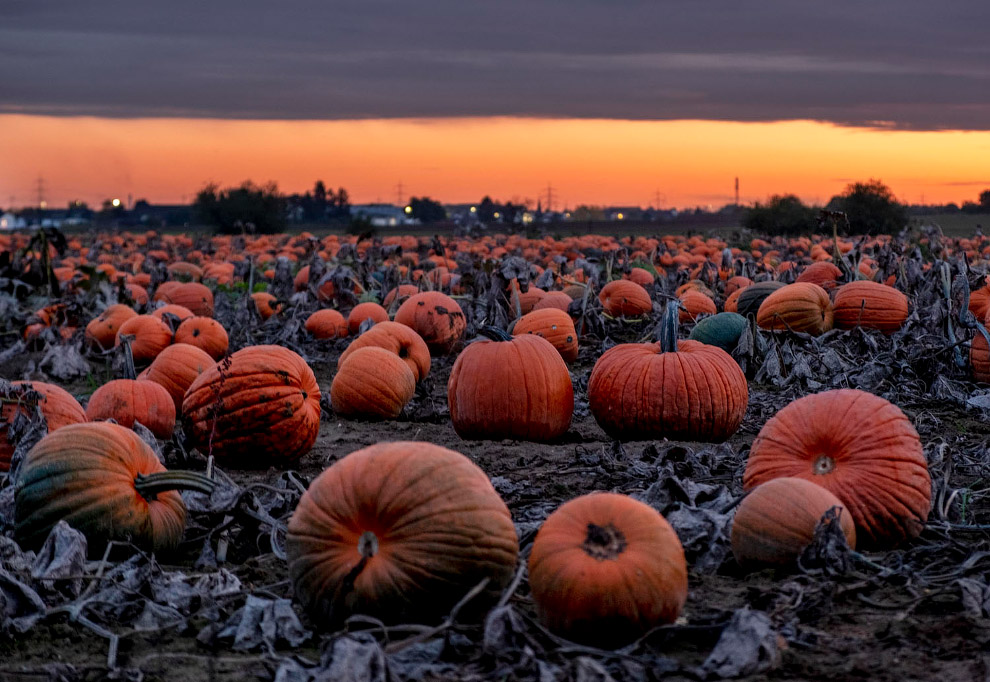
x=871 y=208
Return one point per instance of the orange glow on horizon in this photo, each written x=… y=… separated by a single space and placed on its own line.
x=603 y=162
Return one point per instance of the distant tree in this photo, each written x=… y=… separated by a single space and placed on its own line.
x=985 y=200
x=871 y=208
x=426 y=210
x=588 y=213
x=247 y=208
x=782 y=215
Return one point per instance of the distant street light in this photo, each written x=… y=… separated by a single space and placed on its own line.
x=408 y=209
x=116 y=203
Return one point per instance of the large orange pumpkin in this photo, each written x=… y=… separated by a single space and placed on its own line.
x=128 y=400
x=436 y=317
x=776 y=521
x=798 y=307
x=151 y=337
x=192 y=295
x=373 y=383
x=395 y=338
x=509 y=387
x=401 y=532
x=861 y=448
x=102 y=330
x=365 y=311
x=679 y=390
x=326 y=324
x=871 y=305
x=555 y=326
x=695 y=304
x=621 y=297
x=605 y=569
x=261 y=407
x=176 y=368
x=205 y=333
x=106 y=482
x=824 y=274
x=57 y=405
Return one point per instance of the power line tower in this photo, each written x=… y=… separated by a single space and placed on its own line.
x=737 y=191
x=399 y=194
x=40 y=188
x=549 y=197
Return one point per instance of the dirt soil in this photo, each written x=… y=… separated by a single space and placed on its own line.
x=891 y=616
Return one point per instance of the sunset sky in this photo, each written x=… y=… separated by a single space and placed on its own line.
x=610 y=103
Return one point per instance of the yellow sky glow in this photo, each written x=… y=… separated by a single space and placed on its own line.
x=613 y=162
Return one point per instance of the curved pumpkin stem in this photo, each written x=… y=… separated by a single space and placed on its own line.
x=668 y=327
x=130 y=372
x=494 y=333
x=149 y=486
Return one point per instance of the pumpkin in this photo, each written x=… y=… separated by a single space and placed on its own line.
x=326 y=324
x=401 y=532
x=622 y=298
x=871 y=305
x=640 y=276
x=859 y=447
x=751 y=298
x=129 y=400
x=694 y=304
x=436 y=317
x=605 y=569
x=776 y=521
x=192 y=295
x=395 y=338
x=510 y=387
x=365 y=311
x=799 y=307
x=205 y=333
x=687 y=391
x=979 y=358
x=554 y=299
x=824 y=274
x=400 y=294
x=722 y=330
x=151 y=337
x=259 y=407
x=180 y=311
x=525 y=300
x=373 y=383
x=102 y=331
x=106 y=482
x=553 y=325
x=266 y=304
x=732 y=301
x=736 y=283
x=57 y=405
x=176 y=368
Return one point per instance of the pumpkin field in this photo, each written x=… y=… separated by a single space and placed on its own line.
x=494 y=457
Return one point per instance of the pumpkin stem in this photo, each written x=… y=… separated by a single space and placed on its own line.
x=368 y=544
x=125 y=347
x=668 y=327
x=149 y=486
x=604 y=542
x=823 y=465
x=494 y=333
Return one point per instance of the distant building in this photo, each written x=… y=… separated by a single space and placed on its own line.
x=382 y=215
x=9 y=221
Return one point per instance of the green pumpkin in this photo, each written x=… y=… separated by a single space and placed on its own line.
x=752 y=297
x=722 y=330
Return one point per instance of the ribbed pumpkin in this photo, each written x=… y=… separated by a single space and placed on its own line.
x=861 y=448
x=752 y=297
x=824 y=274
x=640 y=276
x=57 y=405
x=266 y=304
x=180 y=311
x=435 y=317
x=128 y=400
x=106 y=482
x=399 y=531
x=326 y=324
x=695 y=304
x=205 y=333
x=151 y=337
x=605 y=569
x=510 y=387
x=621 y=297
x=722 y=330
x=799 y=307
x=176 y=368
x=102 y=330
x=365 y=311
x=871 y=305
x=395 y=338
x=268 y=410
x=776 y=521
x=683 y=391
x=553 y=325
x=554 y=299
x=372 y=383
x=736 y=283
x=192 y=295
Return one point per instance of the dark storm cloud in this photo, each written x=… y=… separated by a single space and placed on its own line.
x=897 y=63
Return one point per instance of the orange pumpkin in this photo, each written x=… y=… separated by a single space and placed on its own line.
x=554 y=299
x=180 y=311
x=553 y=325
x=365 y=311
x=266 y=304
x=326 y=324
x=192 y=295
x=57 y=405
x=204 y=333
x=401 y=532
x=151 y=337
x=127 y=401
x=622 y=298
x=509 y=387
x=605 y=569
x=694 y=304
x=373 y=383
x=176 y=368
x=859 y=447
x=824 y=274
x=798 y=307
x=871 y=305
x=259 y=407
x=398 y=339
x=102 y=330
x=436 y=317
x=776 y=521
